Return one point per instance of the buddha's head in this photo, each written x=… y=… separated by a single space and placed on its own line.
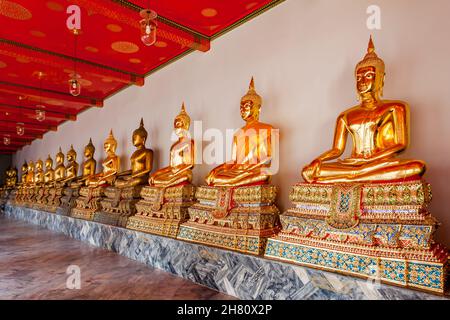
x=251 y=104
x=24 y=168
x=39 y=165
x=71 y=154
x=110 y=144
x=59 y=157
x=89 y=150
x=369 y=73
x=140 y=135
x=182 y=122
x=30 y=167
x=13 y=172
x=49 y=163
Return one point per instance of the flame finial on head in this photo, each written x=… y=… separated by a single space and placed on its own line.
x=371 y=59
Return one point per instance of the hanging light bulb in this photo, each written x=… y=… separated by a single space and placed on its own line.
x=20 y=128
x=148 y=26
x=74 y=83
x=7 y=140
x=74 y=86
x=40 y=114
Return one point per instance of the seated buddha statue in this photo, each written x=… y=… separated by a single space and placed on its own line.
x=60 y=170
x=72 y=165
x=181 y=156
x=87 y=167
x=251 y=150
x=30 y=174
x=141 y=161
x=39 y=172
x=49 y=175
x=23 y=173
x=111 y=164
x=379 y=130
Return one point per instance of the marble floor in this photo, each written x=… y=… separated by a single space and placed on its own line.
x=34 y=262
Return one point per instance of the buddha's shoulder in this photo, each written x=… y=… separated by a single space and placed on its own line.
x=262 y=125
x=395 y=104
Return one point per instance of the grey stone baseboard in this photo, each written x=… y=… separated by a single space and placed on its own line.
x=239 y=275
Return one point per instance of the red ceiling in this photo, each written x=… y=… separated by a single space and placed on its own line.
x=37 y=52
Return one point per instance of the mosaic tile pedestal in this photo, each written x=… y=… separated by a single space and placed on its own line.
x=239 y=275
x=364 y=230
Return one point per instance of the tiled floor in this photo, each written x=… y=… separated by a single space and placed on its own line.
x=34 y=261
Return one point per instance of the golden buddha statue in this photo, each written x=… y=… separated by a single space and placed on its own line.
x=23 y=172
x=87 y=167
x=252 y=150
x=72 y=165
x=11 y=178
x=49 y=175
x=60 y=170
x=141 y=161
x=39 y=172
x=170 y=193
x=111 y=165
x=237 y=209
x=30 y=173
x=181 y=156
x=74 y=183
x=371 y=208
x=379 y=130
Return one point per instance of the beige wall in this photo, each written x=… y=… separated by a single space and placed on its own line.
x=302 y=54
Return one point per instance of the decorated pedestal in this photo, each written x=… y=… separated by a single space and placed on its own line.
x=379 y=230
x=30 y=196
x=162 y=210
x=88 y=202
x=118 y=205
x=236 y=218
x=70 y=194
x=54 y=198
x=40 y=199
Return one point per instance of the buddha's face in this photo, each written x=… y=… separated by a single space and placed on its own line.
x=30 y=168
x=24 y=169
x=138 y=140
x=109 y=147
x=88 y=154
x=365 y=80
x=39 y=166
x=59 y=159
x=249 y=110
x=180 y=127
x=70 y=157
x=48 y=164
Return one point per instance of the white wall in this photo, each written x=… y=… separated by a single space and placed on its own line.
x=302 y=54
